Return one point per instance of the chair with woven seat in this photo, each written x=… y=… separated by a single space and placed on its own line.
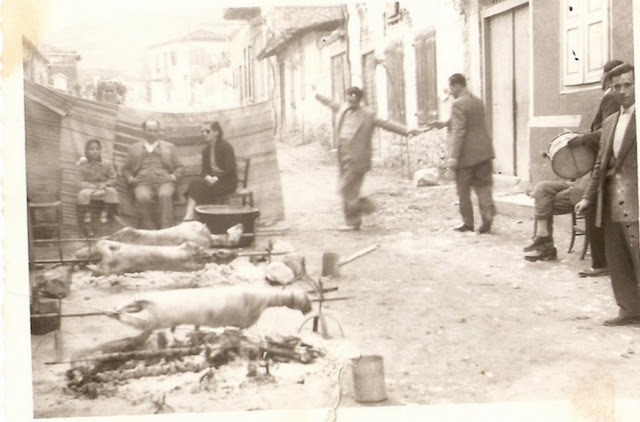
x=243 y=192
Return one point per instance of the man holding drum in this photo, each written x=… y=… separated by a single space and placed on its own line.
x=613 y=190
x=559 y=197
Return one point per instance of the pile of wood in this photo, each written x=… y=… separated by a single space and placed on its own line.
x=162 y=352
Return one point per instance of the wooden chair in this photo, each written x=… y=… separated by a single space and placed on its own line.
x=576 y=231
x=243 y=192
x=44 y=207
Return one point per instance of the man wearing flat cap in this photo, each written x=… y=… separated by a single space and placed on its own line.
x=613 y=190
x=352 y=135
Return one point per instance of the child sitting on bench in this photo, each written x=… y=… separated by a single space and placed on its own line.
x=97 y=182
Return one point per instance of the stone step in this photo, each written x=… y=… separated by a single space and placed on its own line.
x=517 y=205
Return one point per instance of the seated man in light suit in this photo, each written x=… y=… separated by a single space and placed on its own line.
x=152 y=170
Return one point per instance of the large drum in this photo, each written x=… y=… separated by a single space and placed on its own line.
x=570 y=163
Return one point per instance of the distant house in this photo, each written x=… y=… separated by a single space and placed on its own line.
x=178 y=69
x=278 y=56
x=34 y=63
x=63 y=70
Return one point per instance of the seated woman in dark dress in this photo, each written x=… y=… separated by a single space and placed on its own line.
x=219 y=173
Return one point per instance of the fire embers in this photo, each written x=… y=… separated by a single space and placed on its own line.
x=167 y=353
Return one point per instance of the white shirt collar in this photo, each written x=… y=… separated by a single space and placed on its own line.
x=629 y=110
x=150 y=147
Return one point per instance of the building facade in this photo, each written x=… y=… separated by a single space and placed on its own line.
x=34 y=64
x=178 y=71
x=63 y=70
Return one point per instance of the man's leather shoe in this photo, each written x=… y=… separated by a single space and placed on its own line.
x=620 y=320
x=463 y=228
x=538 y=242
x=366 y=206
x=594 y=272
x=485 y=228
x=544 y=254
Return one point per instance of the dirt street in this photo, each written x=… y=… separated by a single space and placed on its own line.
x=457 y=317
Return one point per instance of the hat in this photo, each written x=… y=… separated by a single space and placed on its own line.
x=356 y=92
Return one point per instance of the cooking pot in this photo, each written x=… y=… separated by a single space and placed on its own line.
x=219 y=218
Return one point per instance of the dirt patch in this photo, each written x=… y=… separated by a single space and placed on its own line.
x=457 y=317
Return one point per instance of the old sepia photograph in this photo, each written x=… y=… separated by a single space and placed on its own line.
x=360 y=209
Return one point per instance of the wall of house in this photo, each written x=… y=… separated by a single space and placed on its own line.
x=457 y=50
x=556 y=108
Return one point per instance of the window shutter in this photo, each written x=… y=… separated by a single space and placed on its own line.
x=426 y=78
x=395 y=83
x=573 y=67
x=596 y=40
x=369 y=79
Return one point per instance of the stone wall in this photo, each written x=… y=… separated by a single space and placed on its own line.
x=425 y=150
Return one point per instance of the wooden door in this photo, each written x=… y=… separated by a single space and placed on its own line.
x=521 y=50
x=508 y=90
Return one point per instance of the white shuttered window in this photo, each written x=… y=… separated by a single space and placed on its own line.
x=585 y=46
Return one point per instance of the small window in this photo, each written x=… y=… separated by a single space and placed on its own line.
x=174 y=58
x=585 y=47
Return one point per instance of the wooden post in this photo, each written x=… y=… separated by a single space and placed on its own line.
x=330 y=264
x=59 y=340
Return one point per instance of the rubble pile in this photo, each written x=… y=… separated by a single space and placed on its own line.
x=167 y=352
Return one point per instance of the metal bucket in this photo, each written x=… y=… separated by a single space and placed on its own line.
x=44 y=324
x=368 y=379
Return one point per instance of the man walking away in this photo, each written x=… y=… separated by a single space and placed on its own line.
x=470 y=154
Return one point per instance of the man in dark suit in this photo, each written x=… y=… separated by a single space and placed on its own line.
x=470 y=155
x=352 y=136
x=152 y=170
x=613 y=189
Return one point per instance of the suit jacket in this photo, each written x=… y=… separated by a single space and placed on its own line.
x=469 y=142
x=358 y=149
x=225 y=160
x=608 y=106
x=170 y=160
x=623 y=191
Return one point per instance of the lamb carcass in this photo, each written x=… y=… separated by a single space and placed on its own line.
x=120 y=258
x=234 y=306
x=188 y=231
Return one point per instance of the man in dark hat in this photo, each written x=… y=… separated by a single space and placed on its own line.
x=613 y=190
x=559 y=197
x=352 y=136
